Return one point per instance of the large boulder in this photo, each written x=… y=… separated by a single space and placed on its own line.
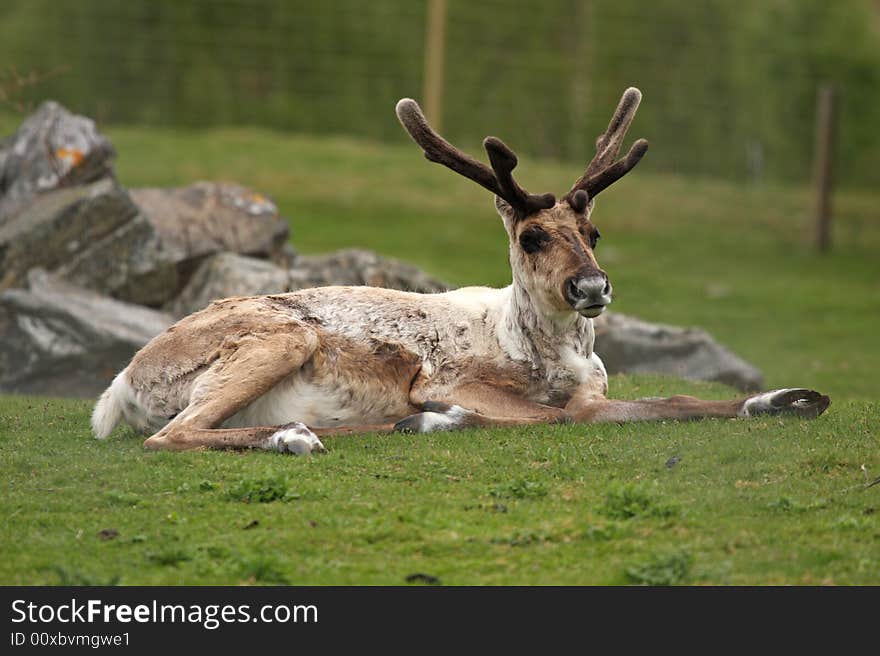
x=228 y=274
x=92 y=235
x=211 y=217
x=629 y=345
x=58 y=339
x=52 y=149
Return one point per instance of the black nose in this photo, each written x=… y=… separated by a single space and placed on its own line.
x=589 y=290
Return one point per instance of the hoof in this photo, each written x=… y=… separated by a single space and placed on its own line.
x=297 y=439
x=800 y=402
x=437 y=417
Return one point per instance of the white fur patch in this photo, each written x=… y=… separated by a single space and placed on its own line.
x=582 y=368
x=296 y=439
x=761 y=403
x=296 y=399
x=108 y=411
x=118 y=401
x=430 y=422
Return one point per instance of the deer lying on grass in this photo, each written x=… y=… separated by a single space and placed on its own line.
x=278 y=372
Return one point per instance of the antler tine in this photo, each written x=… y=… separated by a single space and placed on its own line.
x=608 y=176
x=503 y=161
x=602 y=171
x=608 y=144
x=499 y=179
x=438 y=150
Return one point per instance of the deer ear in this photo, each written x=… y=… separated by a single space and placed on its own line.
x=578 y=201
x=505 y=210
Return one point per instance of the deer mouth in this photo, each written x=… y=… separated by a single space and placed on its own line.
x=591 y=311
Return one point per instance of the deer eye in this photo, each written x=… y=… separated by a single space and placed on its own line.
x=590 y=233
x=533 y=240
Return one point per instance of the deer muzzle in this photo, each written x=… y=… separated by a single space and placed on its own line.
x=589 y=294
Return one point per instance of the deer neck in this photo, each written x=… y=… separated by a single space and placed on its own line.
x=530 y=332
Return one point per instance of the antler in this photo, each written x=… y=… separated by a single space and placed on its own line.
x=603 y=171
x=499 y=179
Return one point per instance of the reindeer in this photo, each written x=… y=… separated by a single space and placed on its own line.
x=280 y=372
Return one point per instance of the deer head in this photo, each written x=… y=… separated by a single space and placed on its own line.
x=552 y=242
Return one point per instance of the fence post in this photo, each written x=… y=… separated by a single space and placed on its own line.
x=826 y=120
x=583 y=39
x=435 y=45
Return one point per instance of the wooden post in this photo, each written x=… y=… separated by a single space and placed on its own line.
x=826 y=120
x=435 y=44
x=582 y=39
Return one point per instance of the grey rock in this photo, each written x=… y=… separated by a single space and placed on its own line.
x=58 y=339
x=287 y=257
x=52 y=149
x=360 y=267
x=210 y=217
x=629 y=345
x=92 y=235
x=129 y=264
x=228 y=274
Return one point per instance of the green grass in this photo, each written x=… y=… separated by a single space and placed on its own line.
x=764 y=501
x=749 y=502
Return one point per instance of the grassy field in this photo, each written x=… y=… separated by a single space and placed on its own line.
x=763 y=501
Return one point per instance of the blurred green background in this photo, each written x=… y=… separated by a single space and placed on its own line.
x=732 y=85
x=715 y=228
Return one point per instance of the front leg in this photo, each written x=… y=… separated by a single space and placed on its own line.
x=800 y=402
x=590 y=408
x=475 y=405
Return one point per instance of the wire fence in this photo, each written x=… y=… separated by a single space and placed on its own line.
x=730 y=88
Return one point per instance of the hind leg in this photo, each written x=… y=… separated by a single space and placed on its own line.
x=294 y=438
x=247 y=368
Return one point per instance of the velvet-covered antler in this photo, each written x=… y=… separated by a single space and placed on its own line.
x=603 y=171
x=498 y=179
